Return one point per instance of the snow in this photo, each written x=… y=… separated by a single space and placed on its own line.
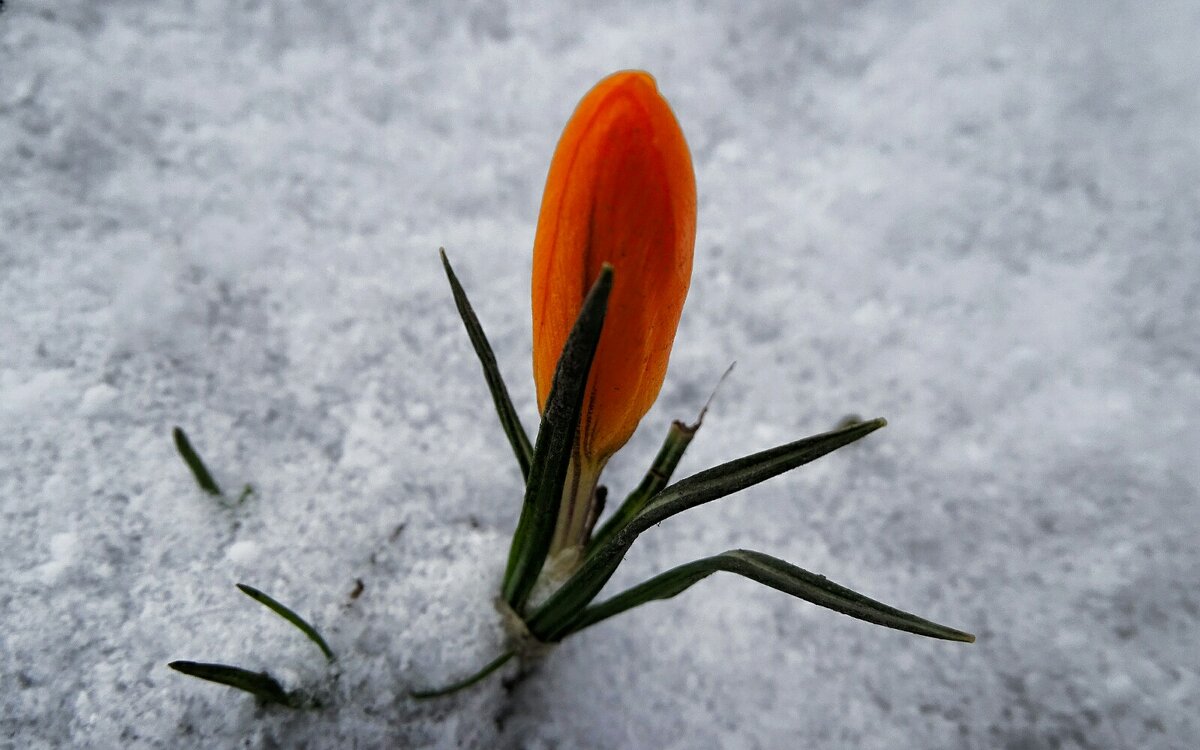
x=976 y=220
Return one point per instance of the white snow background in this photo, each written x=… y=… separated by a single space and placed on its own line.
x=978 y=220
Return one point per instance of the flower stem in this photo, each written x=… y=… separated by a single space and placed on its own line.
x=575 y=512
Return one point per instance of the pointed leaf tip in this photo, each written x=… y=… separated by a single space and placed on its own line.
x=509 y=421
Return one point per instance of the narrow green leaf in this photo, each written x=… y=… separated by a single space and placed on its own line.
x=260 y=684
x=290 y=616
x=679 y=437
x=192 y=459
x=491 y=372
x=555 y=442
x=492 y=666
x=554 y=618
x=778 y=574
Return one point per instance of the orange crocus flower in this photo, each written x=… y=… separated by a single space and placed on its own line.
x=621 y=190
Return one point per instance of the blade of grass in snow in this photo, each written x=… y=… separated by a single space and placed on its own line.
x=492 y=666
x=290 y=616
x=260 y=684
x=194 y=462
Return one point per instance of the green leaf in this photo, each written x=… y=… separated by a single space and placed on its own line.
x=555 y=443
x=492 y=666
x=777 y=574
x=257 y=683
x=491 y=372
x=290 y=616
x=553 y=619
x=673 y=447
x=679 y=437
x=192 y=459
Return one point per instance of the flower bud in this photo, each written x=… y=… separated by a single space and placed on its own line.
x=621 y=190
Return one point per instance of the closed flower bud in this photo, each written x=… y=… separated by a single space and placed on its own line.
x=621 y=190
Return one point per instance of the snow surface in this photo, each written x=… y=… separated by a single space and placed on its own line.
x=978 y=220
